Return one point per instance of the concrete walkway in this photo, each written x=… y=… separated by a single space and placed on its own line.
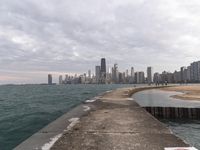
x=115 y=122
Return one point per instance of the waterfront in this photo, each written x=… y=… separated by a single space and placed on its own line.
x=188 y=130
x=24 y=109
x=161 y=98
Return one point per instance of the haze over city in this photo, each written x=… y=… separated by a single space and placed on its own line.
x=41 y=37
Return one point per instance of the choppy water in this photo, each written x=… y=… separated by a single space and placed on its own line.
x=25 y=109
x=188 y=130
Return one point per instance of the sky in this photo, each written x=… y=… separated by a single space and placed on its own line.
x=38 y=37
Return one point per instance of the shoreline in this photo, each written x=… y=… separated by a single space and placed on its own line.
x=52 y=134
x=189 y=92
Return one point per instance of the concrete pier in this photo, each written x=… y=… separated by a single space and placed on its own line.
x=116 y=122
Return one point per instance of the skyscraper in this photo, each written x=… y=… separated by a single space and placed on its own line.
x=89 y=74
x=103 y=70
x=60 y=79
x=50 y=79
x=132 y=72
x=115 y=74
x=103 y=65
x=98 y=73
x=149 y=75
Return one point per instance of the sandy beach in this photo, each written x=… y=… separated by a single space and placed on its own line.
x=190 y=92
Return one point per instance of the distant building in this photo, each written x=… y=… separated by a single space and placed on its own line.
x=149 y=75
x=139 y=77
x=156 y=78
x=177 y=77
x=115 y=74
x=195 y=71
x=103 y=70
x=89 y=74
x=98 y=73
x=183 y=74
x=50 y=79
x=60 y=79
x=132 y=72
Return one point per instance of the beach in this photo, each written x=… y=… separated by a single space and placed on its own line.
x=189 y=92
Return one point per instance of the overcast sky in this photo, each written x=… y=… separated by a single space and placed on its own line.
x=38 y=37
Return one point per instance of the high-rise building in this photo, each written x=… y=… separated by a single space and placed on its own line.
x=115 y=74
x=89 y=74
x=149 y=75
x=50 y=79
x=103 y=65
x=132 y=72
x=97 y=73
x=139 y=77
x=195 y=71
x=156 y=78
x=183 y=75
x=60 y=79
x=126 y=74
x=103 y=70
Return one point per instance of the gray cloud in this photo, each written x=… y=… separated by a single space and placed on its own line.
x=71 y=36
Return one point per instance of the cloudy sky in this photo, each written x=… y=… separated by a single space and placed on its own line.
x=38 y=37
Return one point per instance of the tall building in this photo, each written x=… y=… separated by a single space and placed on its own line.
x=183 y=75
x=103 y=70
x=103 y=65
x=97 y=73
x=139 y=77
x=115 y=74
x=89 y=74
x=126 y=74
x=60 y=79
x=50 y=79
x=195 y=71
x=156 y=78
x=132 y=72
x=149 y=75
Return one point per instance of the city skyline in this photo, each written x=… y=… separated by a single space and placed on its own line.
x=38 y=38
x=186 y=74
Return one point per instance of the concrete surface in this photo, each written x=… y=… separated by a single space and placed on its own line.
x=115 y=122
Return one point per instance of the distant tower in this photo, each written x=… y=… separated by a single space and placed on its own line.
x=132 y=72
x=50 y=79
x=60 y=79
x=103 y=65
x=132 y=75
x=98 y=73
x=115 y=74
x=89 y=74
x=126 y=74
x=103 y=70
x=149 y=75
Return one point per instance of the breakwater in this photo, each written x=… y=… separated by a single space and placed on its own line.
x=112 y=121
x=174 y=112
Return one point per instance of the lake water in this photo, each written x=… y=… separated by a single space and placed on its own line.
x=25 y=109
x=162 y=98
x=188 y=130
